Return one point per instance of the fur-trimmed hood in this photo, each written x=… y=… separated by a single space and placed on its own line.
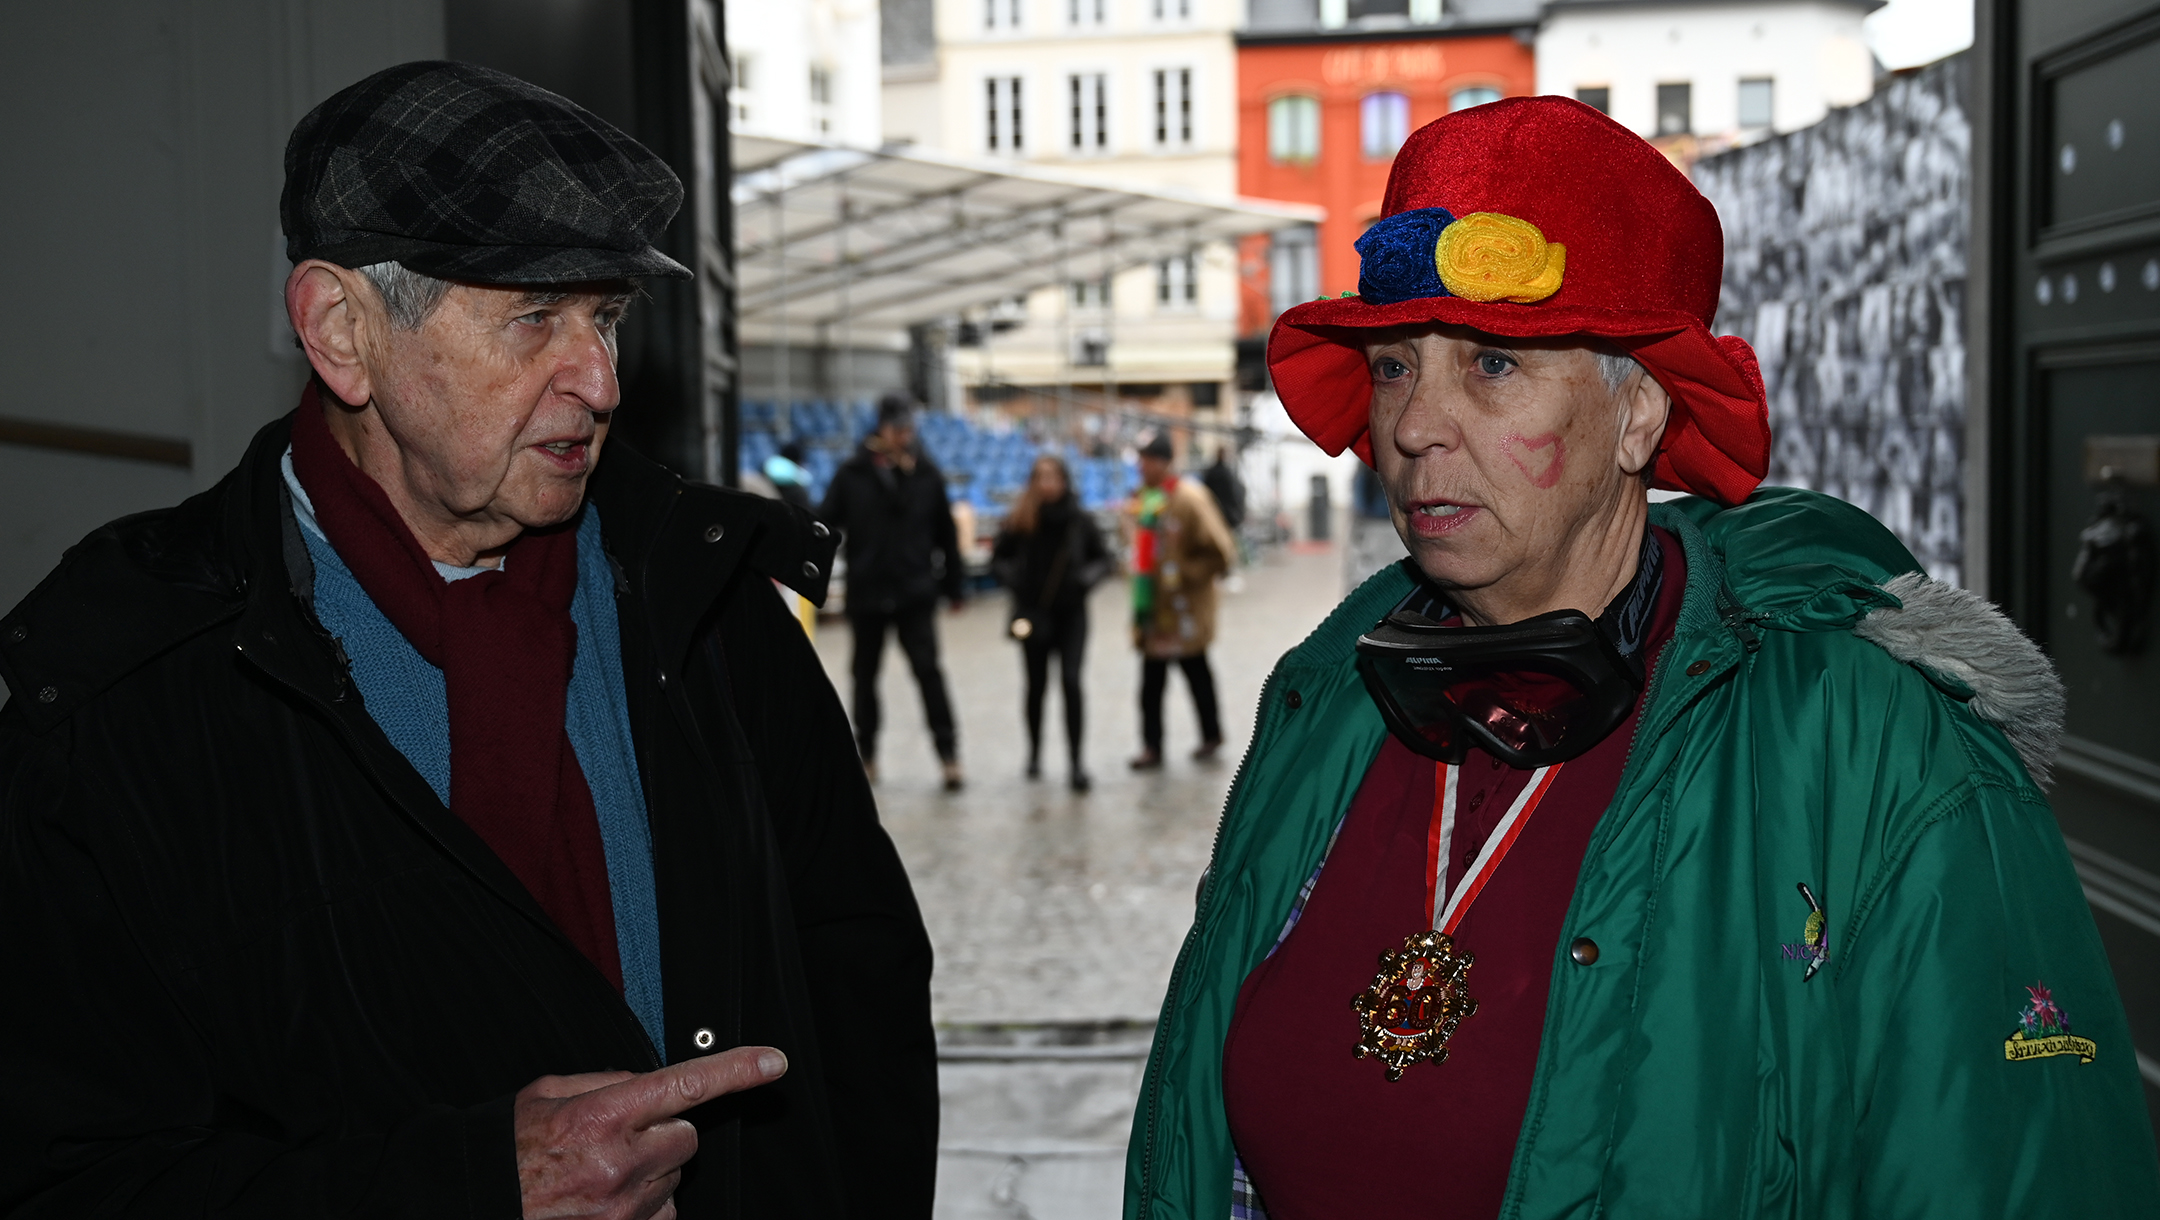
x=1802 y=561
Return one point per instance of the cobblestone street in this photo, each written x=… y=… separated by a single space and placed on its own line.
x=1056 y=917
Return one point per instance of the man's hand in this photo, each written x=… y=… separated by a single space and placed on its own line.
x=607 y=1145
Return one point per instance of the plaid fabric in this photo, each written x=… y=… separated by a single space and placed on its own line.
x=463 y=172
x=1245 y=1201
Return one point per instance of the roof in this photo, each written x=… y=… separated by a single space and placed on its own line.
x=1553 y=6
x=895 y=236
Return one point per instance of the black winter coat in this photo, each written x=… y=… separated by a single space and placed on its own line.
x=1025 y=562
x=902 y=547
x=255 y=968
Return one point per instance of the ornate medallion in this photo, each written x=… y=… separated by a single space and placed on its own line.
x=1414 y=1003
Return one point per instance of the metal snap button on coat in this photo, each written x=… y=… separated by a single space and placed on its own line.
x=809 y=569
x=702 y=1039
x=18 y=635
x=1698 y=669
x=715 y=532
x=1584 y=951
x=819 y=530
x=1295 y=700
x=49 y=694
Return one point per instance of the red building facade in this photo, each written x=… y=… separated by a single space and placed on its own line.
x=1320 y=115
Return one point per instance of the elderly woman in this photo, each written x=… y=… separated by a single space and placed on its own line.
x=1616 y=857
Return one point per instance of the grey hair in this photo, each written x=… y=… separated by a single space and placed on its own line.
x=408 y=295
x=1616 y=366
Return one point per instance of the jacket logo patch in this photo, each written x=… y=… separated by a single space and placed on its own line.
x=1813 y=947
x=2044 y=1030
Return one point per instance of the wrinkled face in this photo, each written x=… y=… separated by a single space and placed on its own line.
x=896 y=436
x=1049 y=479
x=1498 y=455
x=499 y=402
x=1153 y=470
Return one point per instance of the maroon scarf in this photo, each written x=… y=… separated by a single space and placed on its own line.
x=504 y=641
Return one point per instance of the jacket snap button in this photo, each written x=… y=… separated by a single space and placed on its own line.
x=809 y=569
x=49 y=694
x=19 y=634
x=1698 y=669
x=702 y=1039
x=1584 y=951
x=818 y=529
x=715 y=532
x=1295 y=700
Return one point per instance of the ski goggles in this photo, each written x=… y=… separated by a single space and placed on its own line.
x=1541 y=691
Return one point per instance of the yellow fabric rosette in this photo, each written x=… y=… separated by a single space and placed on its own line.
x=1489 y=257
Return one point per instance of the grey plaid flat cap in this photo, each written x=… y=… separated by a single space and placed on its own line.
x=466 y=173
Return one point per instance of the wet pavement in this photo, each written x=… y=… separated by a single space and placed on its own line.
x=1056 y=916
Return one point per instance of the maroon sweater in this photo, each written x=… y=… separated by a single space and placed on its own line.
x=1323 y=1134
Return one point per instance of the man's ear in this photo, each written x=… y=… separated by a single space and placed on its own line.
x=323 y=302
x=1645 y=408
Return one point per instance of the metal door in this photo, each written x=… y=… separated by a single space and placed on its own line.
x=2071 y=234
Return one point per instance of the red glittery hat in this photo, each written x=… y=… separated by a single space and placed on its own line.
x=1539 y=216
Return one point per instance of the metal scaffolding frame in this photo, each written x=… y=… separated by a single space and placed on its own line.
x=844 y=240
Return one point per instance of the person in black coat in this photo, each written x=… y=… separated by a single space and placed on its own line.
x=903 y=550
x=1050 y=553
x=436 y=817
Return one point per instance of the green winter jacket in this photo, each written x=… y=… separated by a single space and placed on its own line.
x=1823 y=714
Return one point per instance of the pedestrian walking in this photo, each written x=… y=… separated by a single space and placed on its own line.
x=1181 y=547
x=1701 y=846
x=424 y=820
x=889 y=502
x=1221 y=478
x=1050 y=553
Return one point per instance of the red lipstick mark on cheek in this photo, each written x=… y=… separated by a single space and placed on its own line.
x=1529 y=455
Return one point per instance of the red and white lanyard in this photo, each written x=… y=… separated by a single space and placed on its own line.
x=1441 y=834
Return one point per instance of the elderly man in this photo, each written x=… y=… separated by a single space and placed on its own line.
x=436 y=817
x=1699 y=846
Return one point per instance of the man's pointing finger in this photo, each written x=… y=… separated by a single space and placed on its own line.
x=659 y=1095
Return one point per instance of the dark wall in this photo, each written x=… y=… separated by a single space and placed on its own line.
x=578 y=48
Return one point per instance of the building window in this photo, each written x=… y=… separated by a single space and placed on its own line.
x=1001 y=14
x=1758 y=100
x=1086 y=12
x=740 y=84
x=1090 y=127
x=1383 y=124
x=1091 y=294
x=1597 y=97
x=1173 y=106
x=1475 y=95
x=1004 y=132
x=1293 y=129
x=1675 y=109
x=1293 y=268
x=1176 y=284
x=821 y=97
x=1166 y=9
x=1424 y=12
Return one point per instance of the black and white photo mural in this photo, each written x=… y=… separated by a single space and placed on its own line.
x=1845 y=258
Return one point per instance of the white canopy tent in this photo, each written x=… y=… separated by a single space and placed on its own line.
x=832 y=239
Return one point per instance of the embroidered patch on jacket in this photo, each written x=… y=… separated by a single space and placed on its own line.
x=1813 y=947
x=2044 y=1029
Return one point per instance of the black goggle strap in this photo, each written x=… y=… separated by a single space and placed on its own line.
x=1625 y=623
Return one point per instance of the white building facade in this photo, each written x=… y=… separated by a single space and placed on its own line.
x=1139 y=92
x=1723 y=73
x=806 y=70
